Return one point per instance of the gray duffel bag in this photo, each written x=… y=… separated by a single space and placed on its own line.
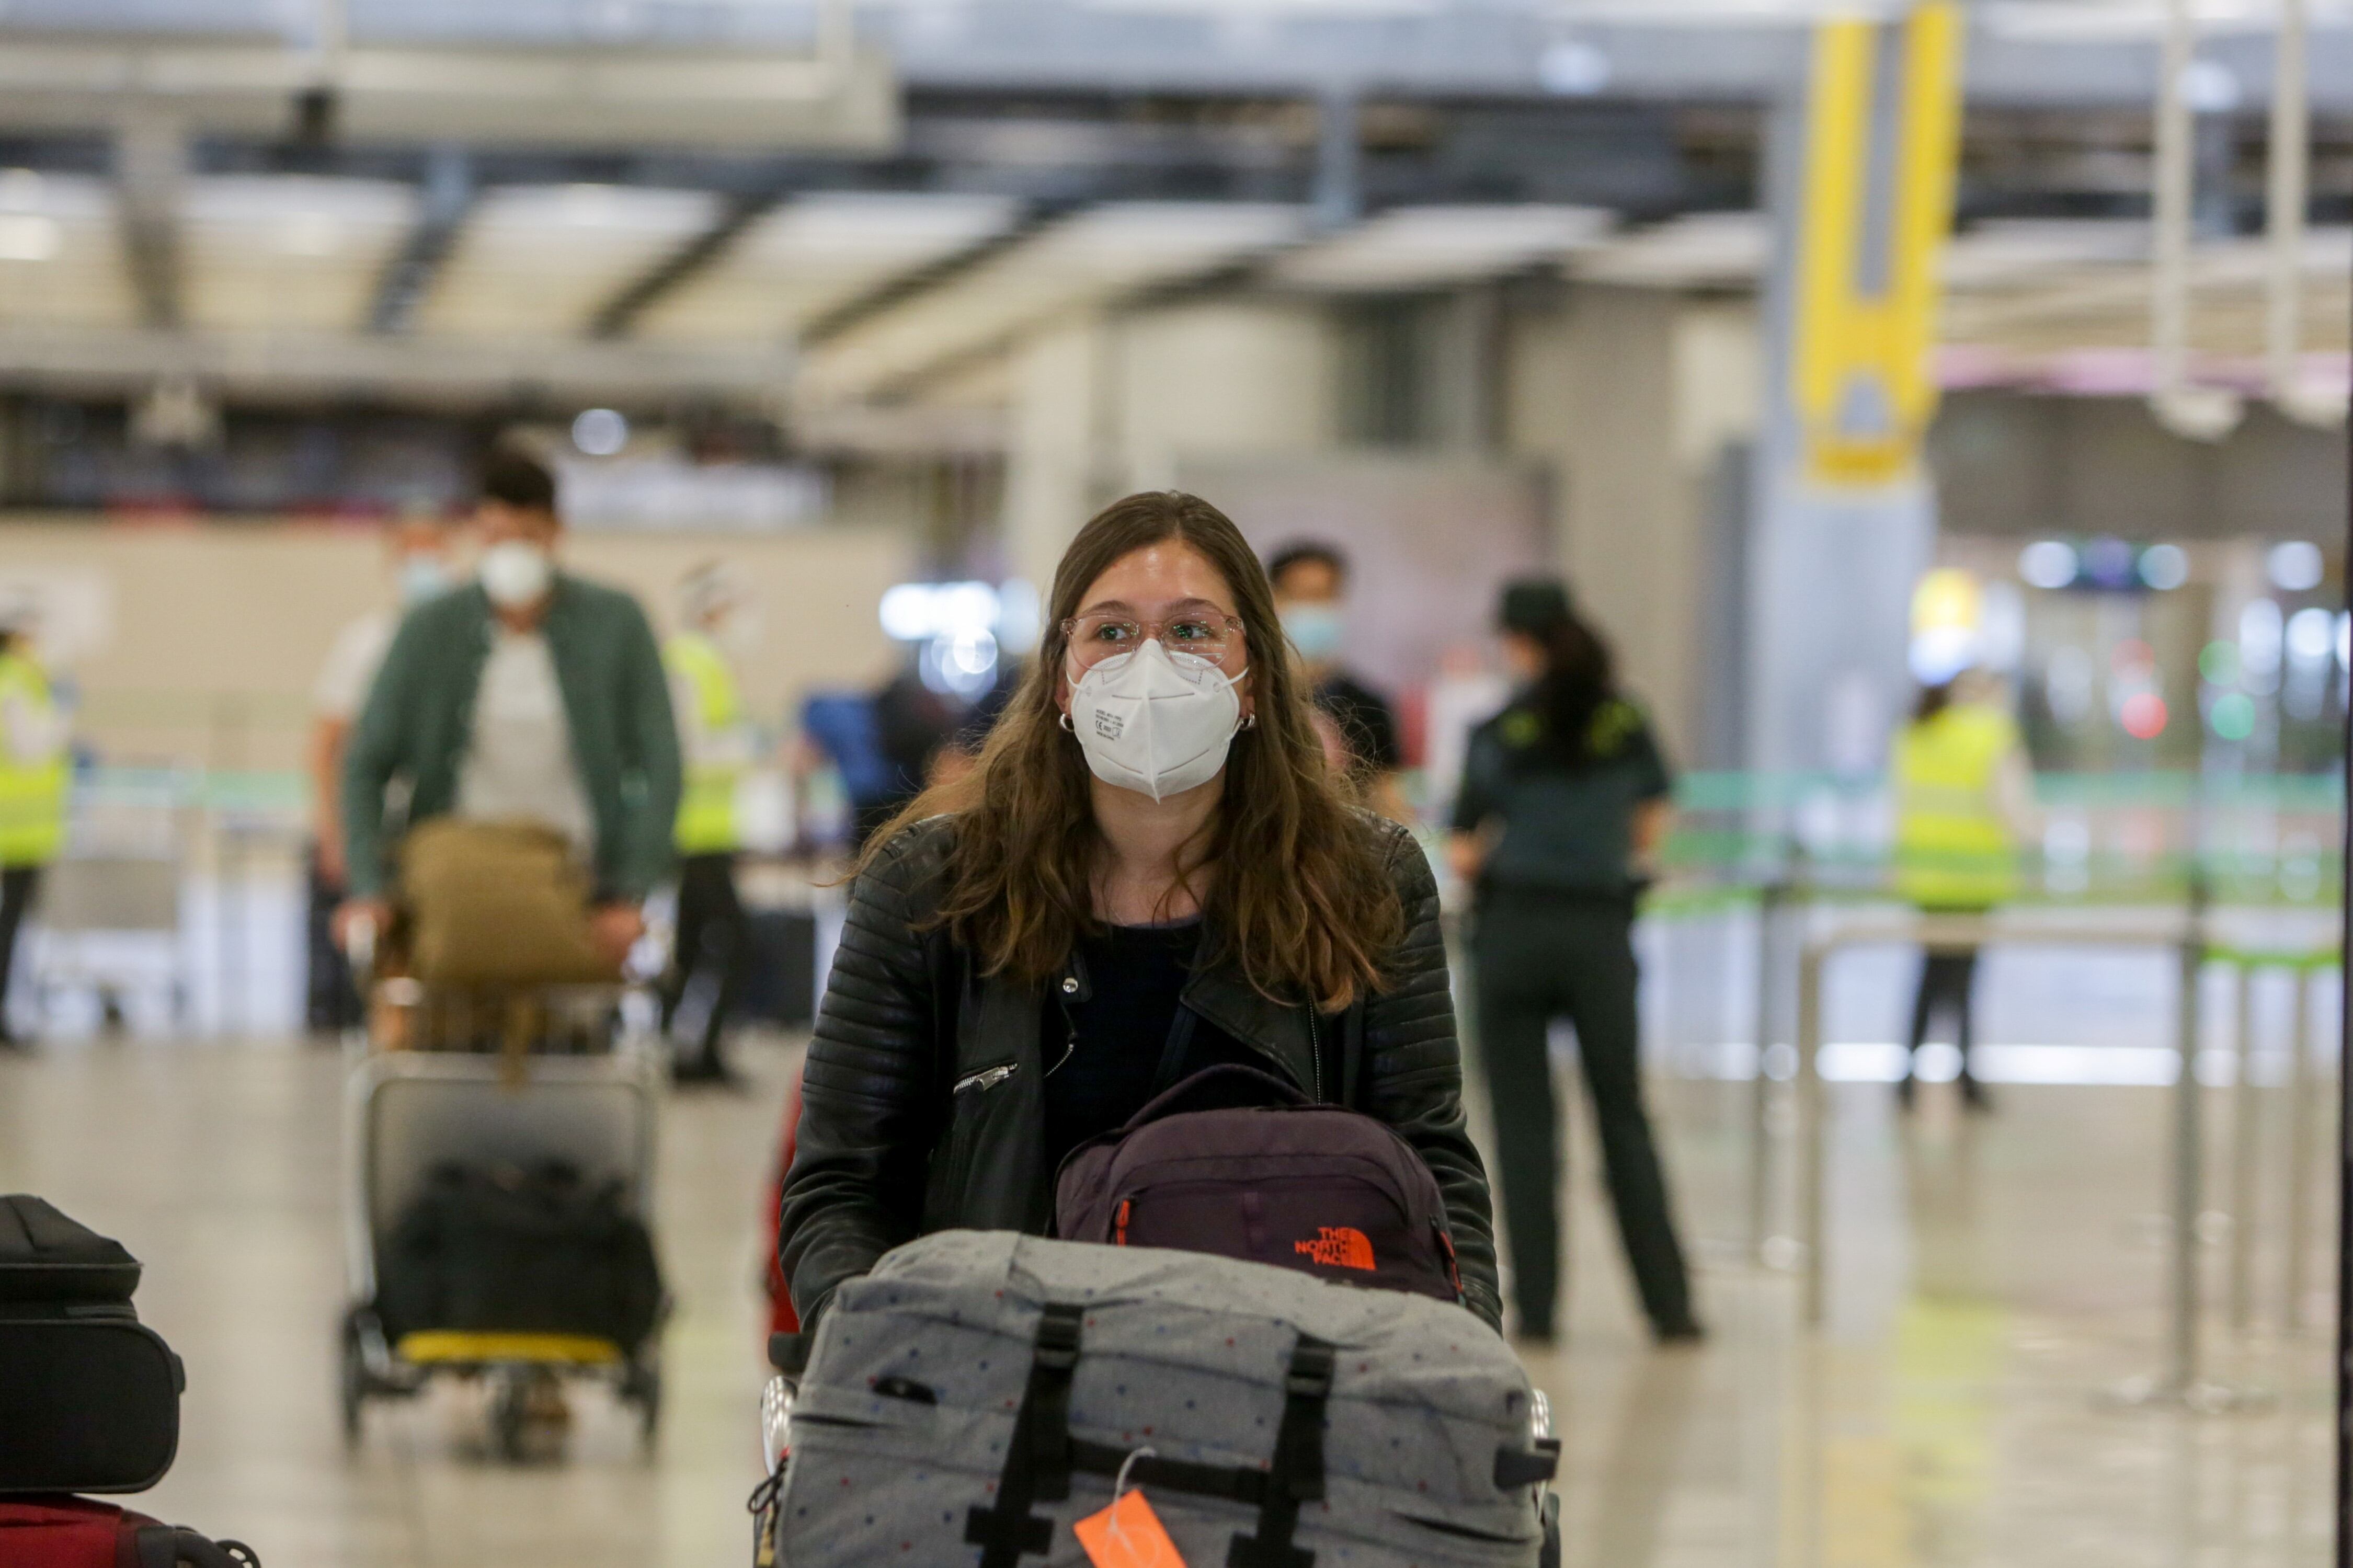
x=979 y=1391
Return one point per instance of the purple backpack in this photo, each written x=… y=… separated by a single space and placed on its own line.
x=1237 y=1162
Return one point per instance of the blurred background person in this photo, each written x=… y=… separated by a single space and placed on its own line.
x=887 y=744
x=716 y=743
x=1311 y=587
x=1563 y=806
x=34 y=771
x=417 y=548
x=1964 y=796
x=531 y=696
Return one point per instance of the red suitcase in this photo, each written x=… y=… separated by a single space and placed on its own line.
x=782 y=1318
x=76 y=1532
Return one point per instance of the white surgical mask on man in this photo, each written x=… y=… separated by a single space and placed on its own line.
x=515 y=573
x=1156 y=722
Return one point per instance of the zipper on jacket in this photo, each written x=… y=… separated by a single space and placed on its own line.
x=985 y=1078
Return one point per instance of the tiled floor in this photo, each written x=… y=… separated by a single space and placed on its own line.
x=1990 y=1281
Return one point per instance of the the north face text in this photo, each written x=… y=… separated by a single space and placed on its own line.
x=1339 y=1246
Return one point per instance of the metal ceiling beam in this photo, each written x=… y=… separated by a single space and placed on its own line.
x=150 y=166
x=2067 y=56
x=327 y=366
x=894 y=292
x=619 y=316
x=407 y=276
x=619 y=98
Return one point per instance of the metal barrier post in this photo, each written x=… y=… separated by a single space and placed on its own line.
x=1770 y=899
x=2189 y=1167
x=1810 y=1130
x=2300 y=1143
x=2246 y=1111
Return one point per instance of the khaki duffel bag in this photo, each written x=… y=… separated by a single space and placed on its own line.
x=497 y=903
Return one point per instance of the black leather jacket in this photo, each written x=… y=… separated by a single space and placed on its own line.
x=923 y=1105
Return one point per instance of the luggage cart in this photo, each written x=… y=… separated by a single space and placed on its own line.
x=408 y=1111
x=109 y=922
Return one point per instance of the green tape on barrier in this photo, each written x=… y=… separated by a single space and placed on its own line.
x=2303 y=961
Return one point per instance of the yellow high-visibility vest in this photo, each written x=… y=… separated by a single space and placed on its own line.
x=1953 y=849
x=706 y=809
x=31 y=793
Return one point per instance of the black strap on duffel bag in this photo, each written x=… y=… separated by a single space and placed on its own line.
x=93 y=1393
x=1043 y=1456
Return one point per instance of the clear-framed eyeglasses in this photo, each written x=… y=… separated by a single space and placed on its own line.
x=1202 y=633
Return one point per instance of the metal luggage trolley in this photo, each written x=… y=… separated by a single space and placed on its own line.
x=581 y=1089
x=110 y=911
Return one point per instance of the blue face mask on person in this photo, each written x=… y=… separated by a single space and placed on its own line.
x=1315 y=630
x=422 y=577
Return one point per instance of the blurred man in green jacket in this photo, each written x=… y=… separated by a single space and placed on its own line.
x=529 y=695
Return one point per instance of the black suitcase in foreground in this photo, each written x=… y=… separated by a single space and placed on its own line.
x=90 y=1397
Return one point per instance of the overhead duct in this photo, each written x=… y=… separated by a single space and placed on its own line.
x=836 y=97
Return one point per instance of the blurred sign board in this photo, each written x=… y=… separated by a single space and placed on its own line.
x=1883 y=141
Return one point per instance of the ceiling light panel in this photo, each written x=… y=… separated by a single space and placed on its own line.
x=1437 y=247
x=538 y=260
x=817 y=253
x=1085 y=259
x=61 y=253
x=295 y=252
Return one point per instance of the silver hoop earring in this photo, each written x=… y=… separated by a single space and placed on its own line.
x=1250 y=720
x=1068 y=728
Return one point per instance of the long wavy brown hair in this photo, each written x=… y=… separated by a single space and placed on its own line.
x=1288 y=872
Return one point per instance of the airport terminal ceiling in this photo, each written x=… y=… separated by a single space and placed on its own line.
x=958 y=174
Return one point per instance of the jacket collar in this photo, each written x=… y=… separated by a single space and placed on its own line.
x=1282 y=1032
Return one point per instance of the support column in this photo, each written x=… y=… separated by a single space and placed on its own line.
x=149 y=167
x=1857 y=177
x=1339 y=198
x=1054 y=457
x=1632 y=398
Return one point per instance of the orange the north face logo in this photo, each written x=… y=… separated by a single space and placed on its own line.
x=1338 y=1247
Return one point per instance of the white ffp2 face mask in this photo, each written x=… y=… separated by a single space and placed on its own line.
x=1156 y=722
x=515 y=573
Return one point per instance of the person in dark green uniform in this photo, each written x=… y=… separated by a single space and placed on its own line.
x=1564 y=796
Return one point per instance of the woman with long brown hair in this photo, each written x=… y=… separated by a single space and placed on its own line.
x=1150 y=871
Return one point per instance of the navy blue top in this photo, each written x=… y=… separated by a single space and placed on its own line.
x=1103 y=1046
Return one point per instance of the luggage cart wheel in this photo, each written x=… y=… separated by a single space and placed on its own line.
x=352 y=1383
x=645 y=1386
x=510 y=1413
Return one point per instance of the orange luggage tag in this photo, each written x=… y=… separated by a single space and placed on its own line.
x=1127 y=1534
